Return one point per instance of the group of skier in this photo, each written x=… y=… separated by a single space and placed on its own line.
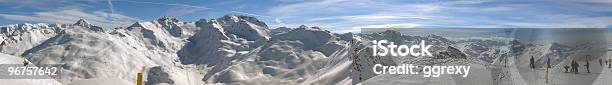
x=574 y=65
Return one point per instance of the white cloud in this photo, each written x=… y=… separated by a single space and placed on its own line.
x=584 y=22
x=348 y=30
x=345 y=15
x=356 y=29
x=307 y=6
x=251 y=14
x=180 y=11
x=278 y=21
x=358 y=17
x=70 y=16
x=376 y=17
x=401 y=25
x=110 y=5
x=169 y=4
x=373 y=6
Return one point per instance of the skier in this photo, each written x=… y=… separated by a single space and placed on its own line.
x=26 y=59
x=587 y=64
x=587 y=67
x=600 y=62
x=576 y=65
x=573 y=65
x=548 y=63
x=609 y=63
x=25 y=62
x=566 y=67
x=531 y=61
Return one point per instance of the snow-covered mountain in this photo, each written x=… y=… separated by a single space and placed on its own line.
x=237 y=49
x=18 y=38
x=233 y=49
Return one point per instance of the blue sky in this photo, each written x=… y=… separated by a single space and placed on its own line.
x=334 y=15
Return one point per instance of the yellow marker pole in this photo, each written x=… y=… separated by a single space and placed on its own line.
x=139 y=79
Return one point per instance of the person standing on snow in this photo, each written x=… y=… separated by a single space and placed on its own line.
x=548 y=63
x=600 y=62
x=575 y=65
x=587 y=64
x=531 y=63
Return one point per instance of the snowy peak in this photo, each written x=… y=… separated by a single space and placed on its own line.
x=14 y=29
x=236 y=18
x=172 y=25
x=17 y=38
x=82 y=22
x=229 y=18
x=310 y=36
x=281 y=30
x=85 y=24
x=392 y=32
x=160 y=23
x=168 y=22
x=244 y=27
x=201 y=22
x=137 y=24
x=304 y=27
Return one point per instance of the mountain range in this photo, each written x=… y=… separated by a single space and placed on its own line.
x=233 y=49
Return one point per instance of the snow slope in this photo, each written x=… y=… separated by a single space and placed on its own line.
x=233 y=49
